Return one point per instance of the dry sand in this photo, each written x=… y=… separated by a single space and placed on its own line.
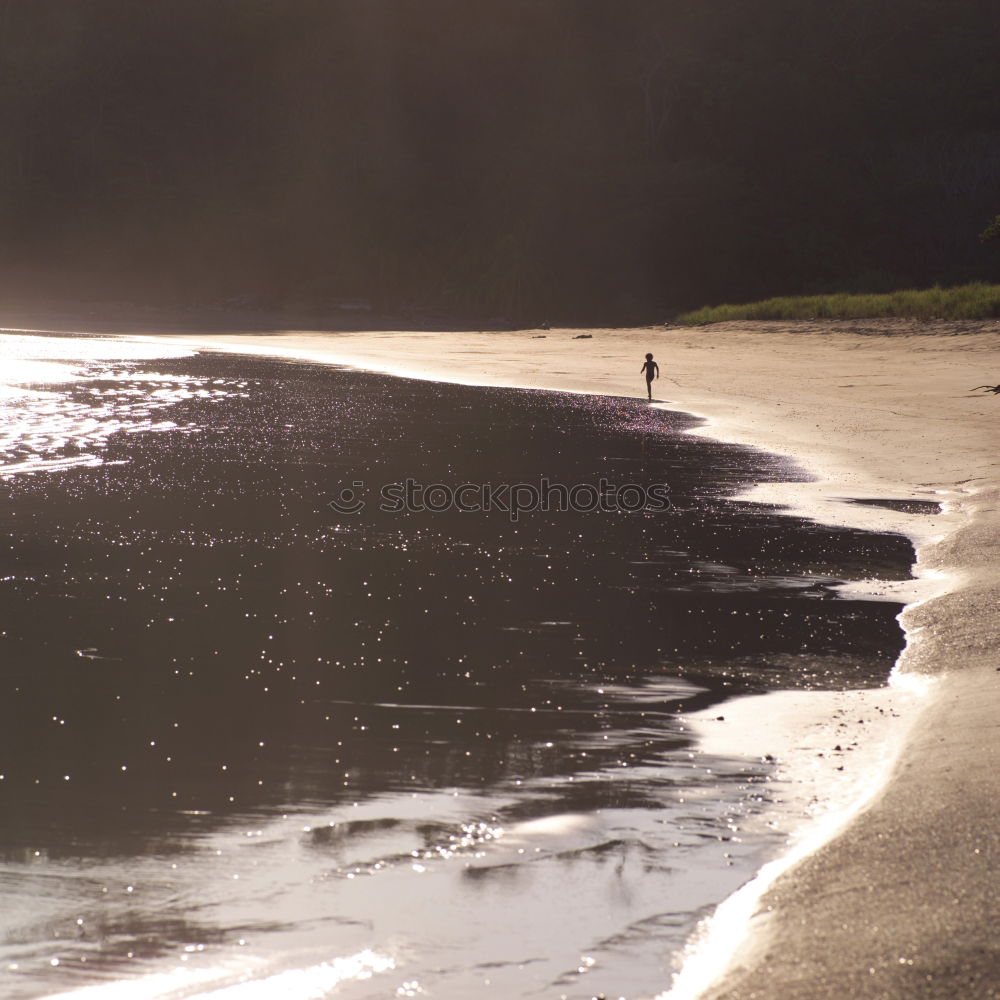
x=902 y=901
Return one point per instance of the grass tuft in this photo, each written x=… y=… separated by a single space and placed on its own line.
x=974 y=301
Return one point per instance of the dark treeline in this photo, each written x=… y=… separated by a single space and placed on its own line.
x=586 y=160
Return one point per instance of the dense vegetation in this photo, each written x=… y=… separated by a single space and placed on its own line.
x=585 y=160
x=976 y=300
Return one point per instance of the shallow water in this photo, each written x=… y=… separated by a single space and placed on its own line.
x=251 y=746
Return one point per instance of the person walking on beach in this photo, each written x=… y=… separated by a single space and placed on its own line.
x=652 y=370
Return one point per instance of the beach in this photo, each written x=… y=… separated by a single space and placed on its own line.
x=499 y=501
x=256 y=732
x=900 y=902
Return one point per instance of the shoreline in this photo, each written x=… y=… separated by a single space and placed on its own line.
x=858 y=444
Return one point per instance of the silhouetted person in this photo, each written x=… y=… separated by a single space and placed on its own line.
x=652 y=370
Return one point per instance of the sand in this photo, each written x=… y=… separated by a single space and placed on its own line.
x=896 y=897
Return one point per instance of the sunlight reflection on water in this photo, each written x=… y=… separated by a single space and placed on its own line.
x=63 y=398
x=217 y=983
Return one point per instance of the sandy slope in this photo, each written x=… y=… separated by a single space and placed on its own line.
x=903 y=903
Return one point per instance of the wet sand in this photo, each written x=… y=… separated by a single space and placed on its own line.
x=901 y=903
